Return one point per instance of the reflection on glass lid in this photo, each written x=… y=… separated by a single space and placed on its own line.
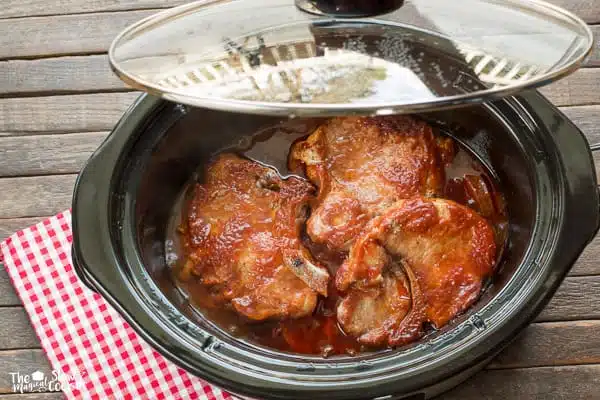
x=270 y=57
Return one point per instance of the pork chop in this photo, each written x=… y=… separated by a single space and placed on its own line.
x=422 y=260
x=363 y=165
x=243 y=229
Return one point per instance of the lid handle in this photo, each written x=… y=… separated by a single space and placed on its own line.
x=349 y=8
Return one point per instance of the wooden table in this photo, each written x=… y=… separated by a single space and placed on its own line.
x=58 y=100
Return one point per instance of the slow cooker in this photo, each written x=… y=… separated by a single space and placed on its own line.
x=126 y=194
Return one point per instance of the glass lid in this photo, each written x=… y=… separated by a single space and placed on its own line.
x=338 y=57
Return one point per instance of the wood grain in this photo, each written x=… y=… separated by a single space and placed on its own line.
x=547 y=383
x=586 y=9
x=47 y=154
x=577 y=298
x=74 y=74
x=587 y=118
x=61 y=114
x=577 y=89
x=33 y=196
x=29 y=8
x=36 y=37
x=536 y=345
x=580 y=88
x=63 y=35
x=11 y=225
x=48 y=195
x=533 y=348
x=8 y=296
x=33 y=396
x=559 y=382
x=58 y=75
x=586 y=265
x=594 y=58
x=100 y=112
x=16 y=331
x=71 y=120
x=589 y=261
x=22 y=361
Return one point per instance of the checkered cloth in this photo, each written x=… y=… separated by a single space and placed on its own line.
x=96 y=353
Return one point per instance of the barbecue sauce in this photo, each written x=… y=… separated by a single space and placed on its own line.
x=467 y=182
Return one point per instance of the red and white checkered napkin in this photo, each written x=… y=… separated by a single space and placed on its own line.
x=87 y=342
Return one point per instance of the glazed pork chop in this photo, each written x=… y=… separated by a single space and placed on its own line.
x=422 y=260
x=364 y=165
x=243 y=241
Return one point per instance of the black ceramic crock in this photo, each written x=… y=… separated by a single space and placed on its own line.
x=126 y=193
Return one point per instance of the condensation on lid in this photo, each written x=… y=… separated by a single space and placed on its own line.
x=269 y=57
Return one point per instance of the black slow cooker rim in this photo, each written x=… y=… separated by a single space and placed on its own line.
x=119 y=275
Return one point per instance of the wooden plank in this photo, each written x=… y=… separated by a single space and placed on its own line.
x=60 y=114
x=58 y=75
x=572 y=383
x=100 y=112
x=33 y=196
x=587 y=10
x=594 y=58
x=33 y=396
x=23 y=362
x=553 y=344
x=8 y=296
x=589 y=261
x=578 y=298
x=577 y=89
x=11 y=225
x=74 y=74
x=93 y=33
x=63 y=35
x=16 y=331
x=47 y=154
x=92 y=73
x=587 y=118
x=535 y=346
x=527 y=383
x=30 y=8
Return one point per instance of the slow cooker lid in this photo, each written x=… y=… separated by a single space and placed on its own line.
x=339 y=57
